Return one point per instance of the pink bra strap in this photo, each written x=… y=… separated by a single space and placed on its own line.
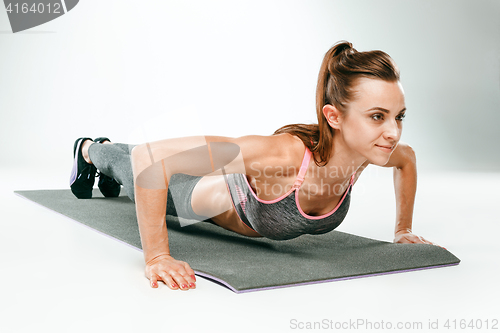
x=303 y=169
x=352 y=178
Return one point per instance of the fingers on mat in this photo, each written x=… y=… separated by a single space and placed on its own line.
x=154 y=281
x=188 y=275
x=180 y=280
x=169 y=281
x=190 y=272
x=188 y=269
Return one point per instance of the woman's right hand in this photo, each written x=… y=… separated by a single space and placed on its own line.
x=174 y=273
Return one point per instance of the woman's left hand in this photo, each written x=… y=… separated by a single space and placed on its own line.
x=410 y=238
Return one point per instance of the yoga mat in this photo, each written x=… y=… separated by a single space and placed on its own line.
x=245 y=264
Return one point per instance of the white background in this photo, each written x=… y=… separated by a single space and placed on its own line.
x=137 y=71
x=175 y=68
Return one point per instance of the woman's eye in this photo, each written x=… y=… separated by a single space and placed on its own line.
x=377 y=116
x=401 y=117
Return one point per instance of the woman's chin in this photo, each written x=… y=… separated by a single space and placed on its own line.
x=379 y=160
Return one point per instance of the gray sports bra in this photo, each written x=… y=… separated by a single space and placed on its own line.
x=283 y=218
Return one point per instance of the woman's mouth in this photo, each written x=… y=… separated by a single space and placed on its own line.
x=387 y=149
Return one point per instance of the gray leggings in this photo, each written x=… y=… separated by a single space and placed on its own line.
x=113 y=160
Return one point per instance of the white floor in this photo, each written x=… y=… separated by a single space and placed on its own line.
x=59 y=276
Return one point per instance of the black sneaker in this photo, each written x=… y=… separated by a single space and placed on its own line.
x=82 y=176
x=108 y=186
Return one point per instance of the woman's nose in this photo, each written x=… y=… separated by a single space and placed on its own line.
x=392 y=131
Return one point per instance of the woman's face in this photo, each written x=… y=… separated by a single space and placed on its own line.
x=373 y=121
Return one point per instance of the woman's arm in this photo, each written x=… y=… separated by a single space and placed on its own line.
x=154 y=163
x=404 y=162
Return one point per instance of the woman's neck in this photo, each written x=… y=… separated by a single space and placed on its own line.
x=343 y=160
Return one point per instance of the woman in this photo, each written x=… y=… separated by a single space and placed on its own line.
x=266 y=185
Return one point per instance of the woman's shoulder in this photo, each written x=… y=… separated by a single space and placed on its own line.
x=292 y=146
x=272 y=150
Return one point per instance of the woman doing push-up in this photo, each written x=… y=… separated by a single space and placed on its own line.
x=296 y=181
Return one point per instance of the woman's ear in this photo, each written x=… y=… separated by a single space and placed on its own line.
x=333 y=116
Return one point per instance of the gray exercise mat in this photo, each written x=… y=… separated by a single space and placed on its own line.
x=246 y=264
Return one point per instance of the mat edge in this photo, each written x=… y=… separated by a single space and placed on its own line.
x=241 y=291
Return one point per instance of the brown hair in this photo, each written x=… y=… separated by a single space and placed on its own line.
x=341 y=67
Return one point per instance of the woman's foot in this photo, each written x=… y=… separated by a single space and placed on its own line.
x=108 y=186
x=85 y=150
x=83 y=173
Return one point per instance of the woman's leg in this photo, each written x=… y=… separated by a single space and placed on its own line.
x=113 y=160
x=190 y=197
